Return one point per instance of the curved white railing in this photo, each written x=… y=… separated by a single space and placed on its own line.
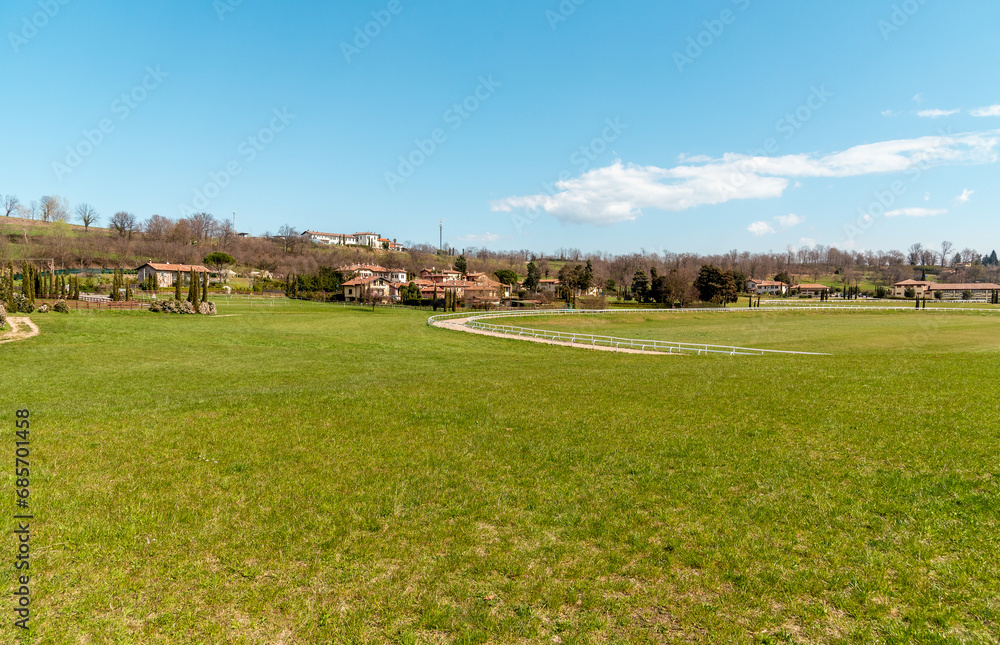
x=477 y=321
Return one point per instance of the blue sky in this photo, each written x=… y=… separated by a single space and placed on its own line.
x=543 y=124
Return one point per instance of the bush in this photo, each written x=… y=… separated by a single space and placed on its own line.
x=3 y=316
x=61 y=307
x=181 y=307
x=593 y=302
x=44 y=309
x=22 y=305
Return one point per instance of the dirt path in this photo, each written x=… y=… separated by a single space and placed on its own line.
x=458 y=324
x=20 y=329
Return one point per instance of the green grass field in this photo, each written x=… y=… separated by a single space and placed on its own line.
x=316 y=474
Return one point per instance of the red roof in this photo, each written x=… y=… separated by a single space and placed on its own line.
x=184 y=268
x=967 y=286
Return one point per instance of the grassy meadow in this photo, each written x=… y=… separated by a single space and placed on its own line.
x=318 y=474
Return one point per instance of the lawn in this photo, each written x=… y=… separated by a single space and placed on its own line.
x=321 y=474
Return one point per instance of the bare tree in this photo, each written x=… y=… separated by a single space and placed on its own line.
x=202 y=225
x=946 y=248
x=157 y=227
x=54 y=209
x=87 y=215
x=287 y=235
x=10 y=204
x=124 y=224
x=913 y=254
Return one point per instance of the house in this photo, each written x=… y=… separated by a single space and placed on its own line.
x=982 y=291
x=373 y=240
x=368 y=239
x=550 y=286
x=919 y=288
x=369 y=270
x=357 y=288
x=443 y=275
x=488 y=282
x=166 y=274
x=767 y=287
x=812 y=289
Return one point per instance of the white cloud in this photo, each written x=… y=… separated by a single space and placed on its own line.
x=790 y=220
x=620 y=192
x=784 y=221
x=807 y=241
x=965 y=196
x=933 y=114
x=915 y=212
x=919 y=98
x=761 y=228
x=481 y=238
x=889 y=113
x=992 y=110
x=927 y=197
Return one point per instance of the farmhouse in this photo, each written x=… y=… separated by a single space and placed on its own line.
x=919 y=288
x=812 y=289
x=166 y=274
x=767 y=287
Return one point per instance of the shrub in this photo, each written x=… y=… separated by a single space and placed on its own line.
x=3 y=316
x=44 y=309
x=61 y=307
x=181 y=307
x=22 y=304
x=595 y=302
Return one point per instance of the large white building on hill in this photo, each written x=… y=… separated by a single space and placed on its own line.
x=368 y=239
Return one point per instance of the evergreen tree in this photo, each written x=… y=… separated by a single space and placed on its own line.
x=177 y=286
x=532 y=278
x=9 y=287
x=640 y=286
x=192 y=296
x=128 y=289
x=462 y=265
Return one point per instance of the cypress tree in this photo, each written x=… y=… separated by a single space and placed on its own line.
x=9 y=287
x=193 y=289
x=177 y=286
x=204 y=288
x=128 y=290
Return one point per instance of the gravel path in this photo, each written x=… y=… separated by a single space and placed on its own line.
x=20 y=329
